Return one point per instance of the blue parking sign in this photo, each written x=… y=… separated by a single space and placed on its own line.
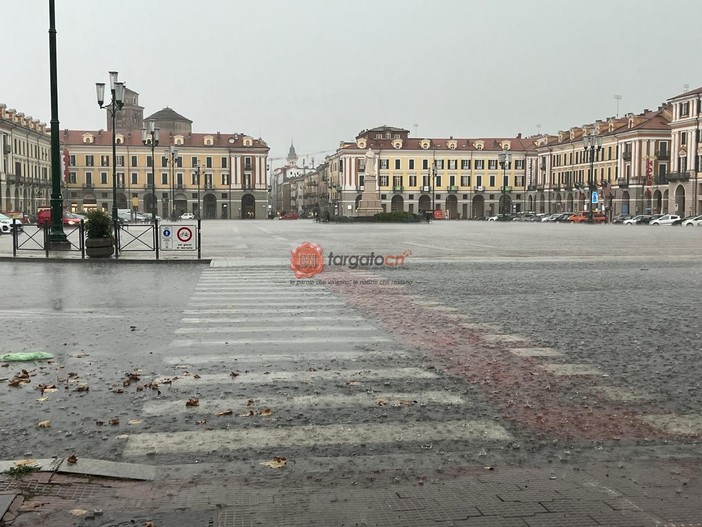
x=595 y=198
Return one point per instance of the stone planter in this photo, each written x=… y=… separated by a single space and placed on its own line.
x=99 y=247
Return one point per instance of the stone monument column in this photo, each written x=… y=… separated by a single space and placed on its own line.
x=370 y=198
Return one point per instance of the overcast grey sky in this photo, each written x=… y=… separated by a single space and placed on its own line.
x=319 y=71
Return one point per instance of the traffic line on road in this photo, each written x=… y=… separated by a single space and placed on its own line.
x=571 y=369
x=298 y=341
x=493 y=338
x=535 y=352
x=255 y=303
x=234 y=359
x=274 y=329
x=279 y=404
x=616 y=393
x=686 y=425
x=306 y=436
x=257 y=309
x=218 y=321
x=306 y=376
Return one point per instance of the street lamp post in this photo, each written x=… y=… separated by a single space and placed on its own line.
x=151 y=136
x=171 y=153
x=116 y=104
x=505 y=159
x=197 y=175
x=57 y=238
x=592 y=143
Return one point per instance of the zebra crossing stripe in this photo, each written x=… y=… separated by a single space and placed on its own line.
x=218 y=321
x=272 y=329
x=306 y=436
x=690 y=424
x=303 y=356
x=297 y=341
x=379 y=399
x=305 y=376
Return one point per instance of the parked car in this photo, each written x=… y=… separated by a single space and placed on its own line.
x=9 y=222
x=666 y=219
x=550 y=218
x=679 y=221
x=187 y=216
x=694 y=221
x=584 y=217
x=640 y=219
x=563 y=217
x=289 y=216
x=620 y=218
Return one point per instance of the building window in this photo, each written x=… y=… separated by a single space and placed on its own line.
x=164 y=162
x=479 y=164
x=452 y=164
x=413 y=180
x=120 y=161
x=492 y=181
x=164 y=178
x=411 y=164
x=135 y=178
x=519 y=164
x=492 y=164
x=439 y=164
x=135 y=162
x=683 y=138
x=384 y=163
x=684 y=109
x=384 y=180
x=72 y=178
x=193 y=161
x=247 y=163
x=425 y=164
x=465 y=164
x=89 y=160
x=397 y=164
x=465 y=181
x=479 y=181
x=103 y=178
x=72 y=160
x=437 y=182
x=179 y=161
x=224 y=162
x=149 y=161
x=225 y=178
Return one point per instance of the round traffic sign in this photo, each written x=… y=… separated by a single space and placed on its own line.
x=166 y=233
x=184 y=234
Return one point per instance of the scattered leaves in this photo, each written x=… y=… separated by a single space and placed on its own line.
x=118 y=390
x=135 y=421
x=224 y=412
x=265 y=412
x=114 y=421
x=22 y=468
x=276 y=462
x=381 y=403
x=192 y=402
x=234 y=374
x=44 y=424
x=196 y=376
x=250 y=402
x=82 y=388
x=150 y=523
x=42 y=399
x=78 y=512
x=201 y=422
x=72 y=459
x=99 y=423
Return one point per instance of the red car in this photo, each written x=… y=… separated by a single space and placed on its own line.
x=44 y=218
x=289 y=216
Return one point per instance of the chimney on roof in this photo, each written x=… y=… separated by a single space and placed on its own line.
x=519 y=135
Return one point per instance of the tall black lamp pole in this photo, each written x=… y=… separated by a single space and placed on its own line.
x=116 y=104
x=151 y=136
x=57 y=238
x=592 y=143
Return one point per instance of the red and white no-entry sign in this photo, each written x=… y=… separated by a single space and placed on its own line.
x=184 y=234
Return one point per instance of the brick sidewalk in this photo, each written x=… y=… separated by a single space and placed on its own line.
x=643 y=494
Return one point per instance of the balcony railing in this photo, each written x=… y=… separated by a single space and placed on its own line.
x=662 y=155
x=398 y=188
x=531 y=188
x=678 y=176
x=540 y=186
x=479 y=188
x=623 y=183
x=425 y=189
x=453 y=189
x=506 y=188
x=88 y=186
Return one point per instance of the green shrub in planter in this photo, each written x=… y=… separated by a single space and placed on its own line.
x=98 y=224
x=396 y=217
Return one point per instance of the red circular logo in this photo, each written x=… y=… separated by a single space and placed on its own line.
x=184 y=234
x=307 y=260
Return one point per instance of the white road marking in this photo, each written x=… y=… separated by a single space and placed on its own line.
x=256 y=309
x=273 y=329
x=277 y=319
x=571 y=369
x=307 y=376
x=621 y=394
x=306 y=436
x=296 y=341
x=535 y=352
x=234 y=359
x=497 y=338
x=690 y=424
x=279 y=404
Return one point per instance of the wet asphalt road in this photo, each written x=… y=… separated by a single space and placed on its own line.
x=623 y=301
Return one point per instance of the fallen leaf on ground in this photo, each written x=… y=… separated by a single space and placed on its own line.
x=118 y=390
x=42 y=399
x=114 y=421
x=234 y=374
x=381 y=403
x=82 y=388
x=196 y=376
x=78 y=512
x=250 y=413
x=265 y=412
x=150 y=524
x=99 y=423
x=276 y=462
x=201 y=422
x=225 y=412
x=135 y=421
x=250 y=402
x=192 y=402
x=44 y=424
x=72 y=459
